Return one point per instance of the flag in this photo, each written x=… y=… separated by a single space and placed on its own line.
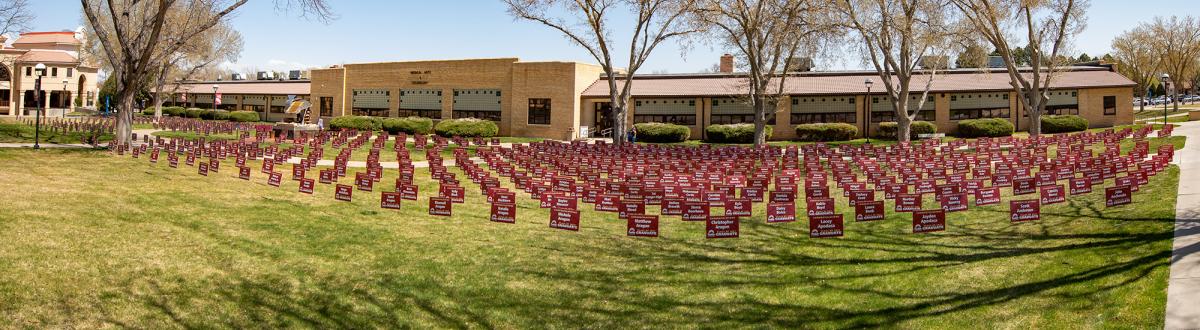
x=217 y=99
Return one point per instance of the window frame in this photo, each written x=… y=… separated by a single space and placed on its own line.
x=1110 y=109
x=539 y=111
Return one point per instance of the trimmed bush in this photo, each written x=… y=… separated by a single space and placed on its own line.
x=466 y=127
x=173 y=111
x=148 y=111
x=734 y=133
x=193 y=113
x=825 y=132
x=888 y=129
x=214 y=115
x=410 y=125
x=987 y=127
x=361 y=123
x=1063 y=124
x=243 y=116
x=662 y=132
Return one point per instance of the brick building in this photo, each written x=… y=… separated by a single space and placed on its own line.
x=564 y=100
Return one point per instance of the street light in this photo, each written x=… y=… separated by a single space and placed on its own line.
x=1166 y=79
x=867 y=100
x=37 y=98
x=68 y=100
x=214 y=102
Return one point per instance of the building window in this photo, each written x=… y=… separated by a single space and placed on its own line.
x=1110 y=105
x=888 y=115
x=426 y=113
x=70 y=72
x=539 y=111
x=375 y=112
x=738 y=119
x=28 y=71
x=54 y=72
x=686 y=120
x=829 y=117
x=326 y=107
x=961 y=114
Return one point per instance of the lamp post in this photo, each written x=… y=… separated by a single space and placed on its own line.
x=1166 y=79
x=214 y=102
x=867 y=100
x=40 y=71
x=68 y=99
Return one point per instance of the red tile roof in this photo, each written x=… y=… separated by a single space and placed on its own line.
x=267 y=87
x=823 y=83
x=47 y=56
x=46 y=37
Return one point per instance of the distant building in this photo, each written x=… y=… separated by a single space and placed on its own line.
x=67 y=80
x=568 y=100
x=995 y=61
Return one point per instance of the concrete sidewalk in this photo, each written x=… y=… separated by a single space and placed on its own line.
x=1183 y=287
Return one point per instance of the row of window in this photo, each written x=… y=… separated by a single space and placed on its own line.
x=53 y=72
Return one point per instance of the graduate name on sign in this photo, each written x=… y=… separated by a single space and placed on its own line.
x=868 y=211
x=363 y=181
x=825 y=226
x=343 y=192
x=456 y=194
x=389 y=200
x=642 y=225
x=629 y=207
x=738 y=207
x=203 y=169
x=954 y=202
x=908 y=202
x=987 y=196
x=1080 y=186
x=440 y=206
x=1024 y=186
x=408 y=192
x=1117 y=196
x=818 y=207
x=306 y=185
x=861 y=196
x=781 y=212
x=564 y=219
x=244 y=173
x=1053 y=194
x=695 y=211
x=609 y=203
x=504 y=212
x=721 y=227
x=275 y=179
x=928 y=221
x=1024 y=210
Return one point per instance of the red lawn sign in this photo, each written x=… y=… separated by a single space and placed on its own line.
x=781 y=212
x=343 y=192
x=868 y=211
x=641 y=225
x=389 y=200
x=564 y=219
x=928 y=221
x=440 y=206
x=1024 y=210
x=504 y=212
x=1117 y=196
x=825 y=226
x=721 y=227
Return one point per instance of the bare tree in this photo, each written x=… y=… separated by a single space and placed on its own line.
x=132 y=39
x=587 y=25
x=1178 y=41
x=897 y=35
x=1048 y=26
x=764 y=34
x=1137 y=59
x=219 y=44
x=14 y=16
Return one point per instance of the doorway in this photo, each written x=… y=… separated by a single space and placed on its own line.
x=602 y=127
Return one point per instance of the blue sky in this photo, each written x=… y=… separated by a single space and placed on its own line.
x=398 y=30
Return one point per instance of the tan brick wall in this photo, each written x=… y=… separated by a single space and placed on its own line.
x=561 y=82
x=1091 y=106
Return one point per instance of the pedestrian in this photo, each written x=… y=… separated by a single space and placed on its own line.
x=632 y=134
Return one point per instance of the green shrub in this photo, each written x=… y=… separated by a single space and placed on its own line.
x=1063 y=124
x=662 y=132
x=466 y=127
x=193 y=113
x=243 y=116
x=987 y=127
x=410 y=125
x=148 y=111
x=214 y=115
x=173 y=111
x=888 y=129
x=826 y=132
x=734 y=133
x=361 y=123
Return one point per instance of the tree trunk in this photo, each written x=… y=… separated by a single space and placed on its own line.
x=124 y=129
x=903 y=128
x=1144 y=98
x=158 y=103
x=760 y=121
x=1035 y=100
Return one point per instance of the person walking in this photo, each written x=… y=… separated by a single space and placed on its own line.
x=632 y=134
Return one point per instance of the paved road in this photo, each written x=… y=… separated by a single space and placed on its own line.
x=1183 y=287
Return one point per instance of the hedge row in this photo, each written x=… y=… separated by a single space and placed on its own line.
x=359 y=123
x=243 y=116
x=466 y=127
x=987 y=127
x=410 y=125
x=1063 y=124
x=825 y=132
x=888 y=129
x=734 y=133
x=662 y=132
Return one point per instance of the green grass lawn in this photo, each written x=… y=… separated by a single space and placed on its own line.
x=21 y=133
x=106 y=241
